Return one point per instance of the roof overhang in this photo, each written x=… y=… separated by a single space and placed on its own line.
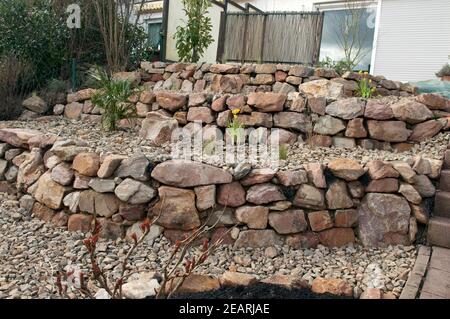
x=150 y=7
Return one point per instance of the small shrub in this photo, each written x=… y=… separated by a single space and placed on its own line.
x=445 y=71
x=365 y=88
x=194 y=38
x=183 y=260
x=56 y=86
x=113 y=97
x=13 y=76
x=340 y=66
x=33 y=31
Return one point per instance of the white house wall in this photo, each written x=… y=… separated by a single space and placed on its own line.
x=413 y=41
x=176 y=18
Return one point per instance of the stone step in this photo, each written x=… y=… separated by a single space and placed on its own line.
x=444 y=182
x=439 y=232
x=442 y=204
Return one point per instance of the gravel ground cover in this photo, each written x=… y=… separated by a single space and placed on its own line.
x=31 y=251
x=127 y=142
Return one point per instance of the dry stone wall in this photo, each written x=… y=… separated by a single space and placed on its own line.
x=63 y=182
x=316 y=105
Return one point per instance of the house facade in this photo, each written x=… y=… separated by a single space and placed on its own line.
x=405 y=40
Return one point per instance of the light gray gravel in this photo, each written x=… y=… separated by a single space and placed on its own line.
x=32 y=251
x=127 y=142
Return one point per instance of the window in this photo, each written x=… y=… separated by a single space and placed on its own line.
x=154 y=34
x=350 y=30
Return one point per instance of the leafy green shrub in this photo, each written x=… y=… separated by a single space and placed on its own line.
x=193 y=39
x=56 y=86
x=13 y=74
x=340 y=66
x=113 y=97
x=32 y=31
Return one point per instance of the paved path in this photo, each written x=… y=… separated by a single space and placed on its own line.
x=437 y=280
x=430 y=277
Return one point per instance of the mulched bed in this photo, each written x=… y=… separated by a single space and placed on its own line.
x=258 y=291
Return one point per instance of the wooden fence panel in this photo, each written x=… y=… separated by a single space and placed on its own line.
x=285 y=37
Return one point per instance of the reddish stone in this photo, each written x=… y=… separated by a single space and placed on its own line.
x=345 y=168
x=355 y=128
x=425 y=130
x=337 y=237
x=264 y=193
x=292 y=178
x=389 y=131
x=346 y=218
x=267 y=102
x=170 y=100
x=303 y=240
x=236 y=102
x=223 y=234
x=231 y=278
x=379 y=170
x=433 y=101
x=43 y=212
x=227 y=83
x=331 y=286
x=320 y=220
x=317 y=105
x=132 y=212
x=60 y=219
x=258 y=176
x=86 y=164
x=371 y=293
x=80 y=222
x=177 y=207
x=288 y=222
x=218 y=104
x=385 y=185
x=231 y=195
x=254 y=217
x=377 y=110
x=280 y=76
x=224 y=68
x=321 y=140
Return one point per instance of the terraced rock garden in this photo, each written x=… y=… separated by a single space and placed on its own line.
x=341 y=212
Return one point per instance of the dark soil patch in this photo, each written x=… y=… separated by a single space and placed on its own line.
x=258 y=291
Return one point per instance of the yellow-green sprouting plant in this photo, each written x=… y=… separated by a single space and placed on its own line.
x=235 y=126
x=283 y=152
x=365 y=88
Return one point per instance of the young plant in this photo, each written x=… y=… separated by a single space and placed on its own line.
x=184 y=259
x=194 y=38
x=113 y=97
x=283 y=152
x=365 y=88
x=114 y=289
x=234 y=127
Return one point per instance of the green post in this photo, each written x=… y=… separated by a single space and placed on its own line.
x=74 y=75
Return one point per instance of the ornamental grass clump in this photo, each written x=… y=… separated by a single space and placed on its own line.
x=365 y=88
x=113 y=98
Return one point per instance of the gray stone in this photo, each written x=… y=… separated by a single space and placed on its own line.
x=134 y=192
